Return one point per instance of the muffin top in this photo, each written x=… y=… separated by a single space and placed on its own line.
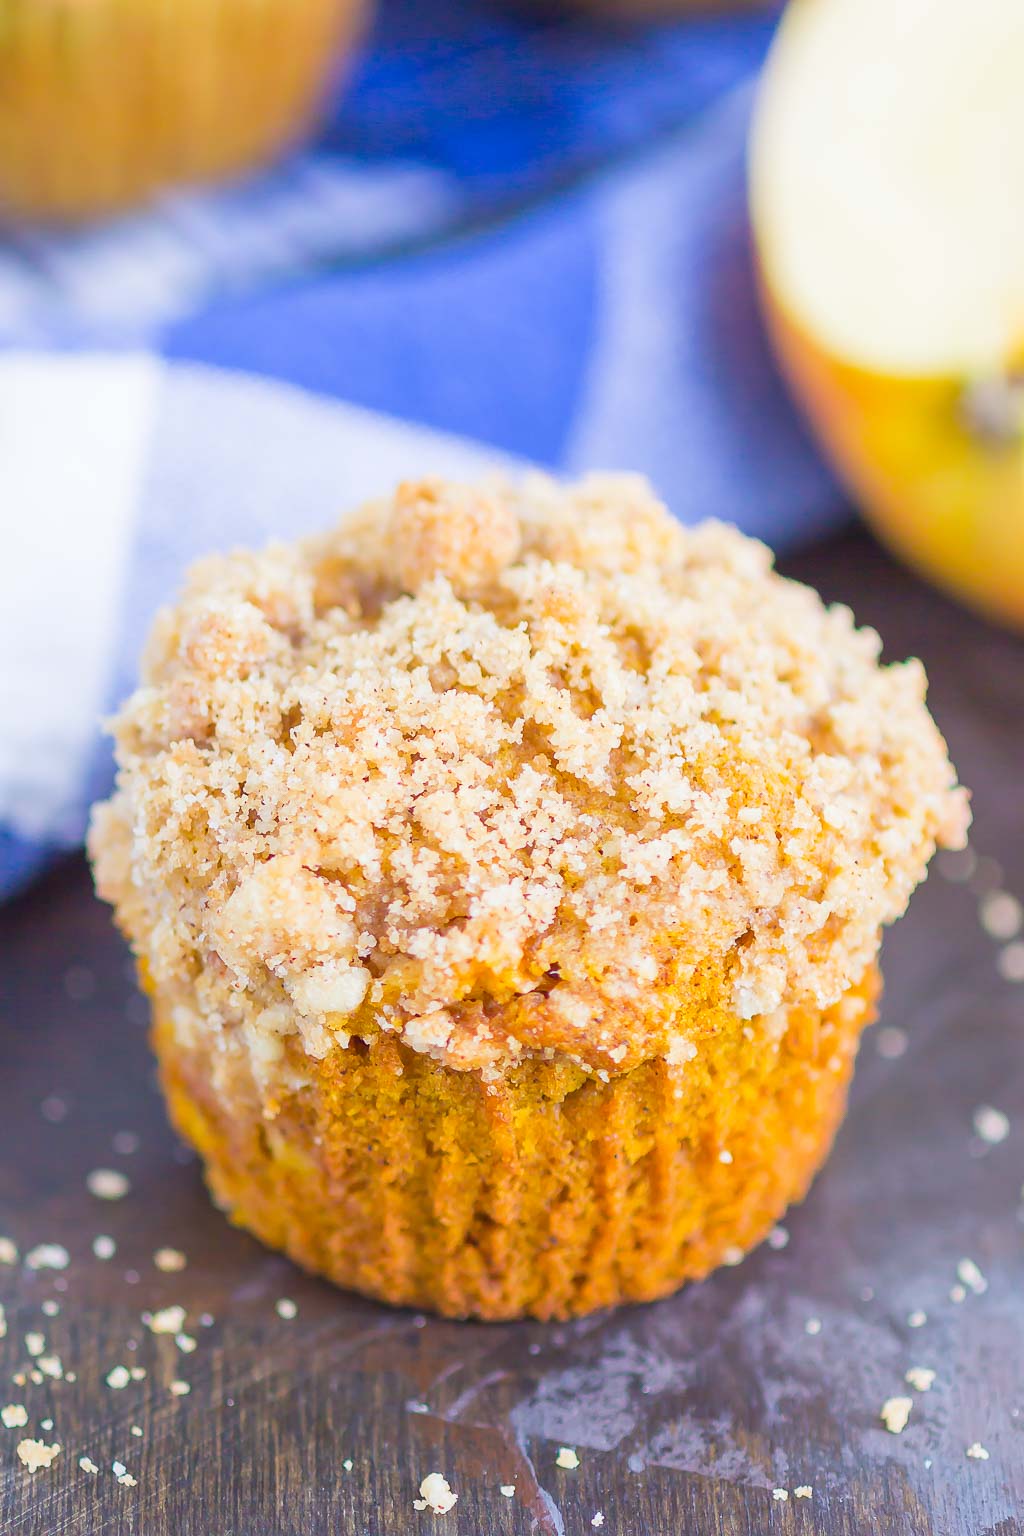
x=515 y=770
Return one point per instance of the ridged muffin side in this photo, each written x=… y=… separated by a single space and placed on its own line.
x=105 y=102
x=547 y=1194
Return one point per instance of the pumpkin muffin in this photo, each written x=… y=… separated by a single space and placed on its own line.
x=104 y=102
x=506 y=869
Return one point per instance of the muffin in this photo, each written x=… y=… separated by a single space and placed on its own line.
x=103 y=102
x=506 y=870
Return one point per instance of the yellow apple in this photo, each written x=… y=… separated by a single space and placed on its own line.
x=887 y=200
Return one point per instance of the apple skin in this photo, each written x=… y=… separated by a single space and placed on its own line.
x=106 y=102
x=945 y=496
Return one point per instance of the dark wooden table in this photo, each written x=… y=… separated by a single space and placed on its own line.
x=685 y=1415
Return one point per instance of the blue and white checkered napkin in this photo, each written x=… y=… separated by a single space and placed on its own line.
x=515 y=240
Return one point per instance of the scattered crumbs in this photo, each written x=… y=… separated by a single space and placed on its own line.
x=1001 y=915
x=977 y=1451
x=1010 y=962
x=54 y=1108
x=971 y=1276
x=103 y=1246
x=286 y=1308
x=8 y=1251
x=51 y=1366
x=36 y=1378
x=782 y=1494
x=167 y=1320
x=136 y=1431
x=48 y=1256
x=70 y=1376
x=46 y=1424
x=185 y=1342
x=14 y=1416
x=107 y=1184
x=507 y=1490
x=88 y=1465
x=118 y=1378
x=118 y=1468
x=895 y=1413
x=991 y=1125
x=957 y=864
x=415 y=1407
x=180 y=1389
x=206 y=1319
x=50 y=1308
x=435 y=1494
x=3 y=1323
x=917 y=1318
x=598 y=1519
x=891 y=1042
x=927 y=1463
x=34 y=1454
x=812 y=1325
x=127 y=1481
x=347 y=1464
x=125 y=1143
x=170 y=1260
x=732 y=1256
x=778 y=1237
x=724 y=1156
x=567 y=1458
x=804 y=1491
x=35 y=1343
x=920 y=1377
x=137 y=1373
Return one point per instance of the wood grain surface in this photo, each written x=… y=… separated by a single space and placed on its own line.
x=685 y=1415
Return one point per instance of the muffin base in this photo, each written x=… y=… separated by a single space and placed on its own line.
x=103 y=104
x=548 y=1194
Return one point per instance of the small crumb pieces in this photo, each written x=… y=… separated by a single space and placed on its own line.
x=778 y=1237
x=180 y=1389
x=347 y=1464
x=567 y=1458
x=51 y=1366
x=107 y=1184
x=118 y=1468
x=54 y=1109
x=169 y=1260
x=920 y=1377
x=118 y=1378
x=804 y=1491
x=167 y=1320
x=895 y=1413
x=103 y=1246
x=14 y=1416
x=971 y=1276
x=781 y=1494
x=35 y=1343
x=733 y=1256
x=127 y=1481
x=435 y=1494
x=977 y=1452
x=286 y=1308
x=185 y=1342
x=891 y=1042
x=812 y=1325
x=917 y=1318
x=137 y=1373
x=35 y=1455
x=598 y=1519
x=991 y=1125
x=88 y=1465
x=46 y=1424
x=136 y=1431
x=48 y=1256
x=1001 y=915
x=8 y=1251
x=50 y=1308
x=1010 y=962
x=957 y=1294
x=507 y=1490
x=3 y=1323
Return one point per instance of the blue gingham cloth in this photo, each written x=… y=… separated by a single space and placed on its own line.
x=515 y=240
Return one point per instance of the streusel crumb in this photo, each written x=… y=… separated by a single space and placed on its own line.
x=502 y=769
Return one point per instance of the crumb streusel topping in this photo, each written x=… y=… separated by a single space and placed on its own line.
x=512 y=770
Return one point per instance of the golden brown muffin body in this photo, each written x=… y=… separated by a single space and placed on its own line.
x=507 y=869
x=104 y=102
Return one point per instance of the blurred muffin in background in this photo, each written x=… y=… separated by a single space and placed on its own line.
x=104 y=102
